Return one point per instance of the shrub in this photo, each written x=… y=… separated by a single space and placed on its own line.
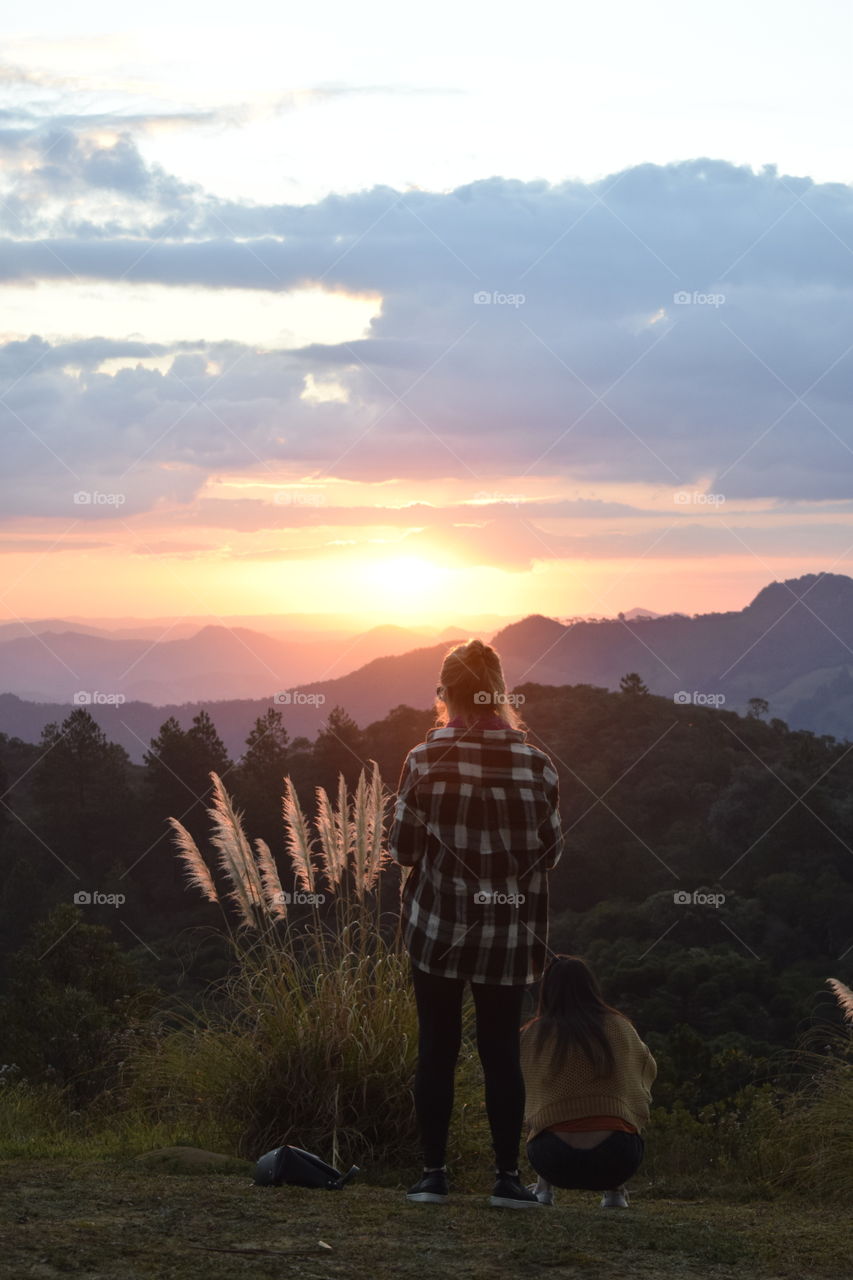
x=71 y=993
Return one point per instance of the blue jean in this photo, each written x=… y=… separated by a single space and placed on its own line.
x=601 y=1168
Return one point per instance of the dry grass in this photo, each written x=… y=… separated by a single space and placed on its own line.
x=119 y=1219
x=316 y=1054
x=313 y=1038
x=814 y=1148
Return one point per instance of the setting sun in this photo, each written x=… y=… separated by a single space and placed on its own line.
x=404 y=582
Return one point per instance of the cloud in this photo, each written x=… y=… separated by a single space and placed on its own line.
x=171 y=547
x=292 y=509
x=518 y=546
x=24 y=546
x=682 y=325
x=22 y=357
x=52 y=168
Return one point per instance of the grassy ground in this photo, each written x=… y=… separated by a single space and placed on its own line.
x=125 y=1220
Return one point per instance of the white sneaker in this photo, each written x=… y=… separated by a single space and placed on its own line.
x=617 y=1199
x=544 y=1197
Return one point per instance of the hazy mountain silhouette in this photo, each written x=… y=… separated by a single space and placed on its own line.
x=215 y=662
x=368 y=694
x=35 y=627
x=792 y=645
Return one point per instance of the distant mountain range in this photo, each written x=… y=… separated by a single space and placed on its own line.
x=367 y=693
x=792 y=645
x=211 y=663
x=639 y=613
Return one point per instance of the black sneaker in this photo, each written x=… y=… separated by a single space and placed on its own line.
x=432 y=1188
x=508 y=1193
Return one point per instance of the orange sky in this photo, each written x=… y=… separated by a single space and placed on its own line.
x=173 y=564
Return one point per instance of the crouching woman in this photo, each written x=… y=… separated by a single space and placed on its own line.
x=588 y=1078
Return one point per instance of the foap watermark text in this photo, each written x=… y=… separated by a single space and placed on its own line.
x=94 y=498
x=684 y=297
x=494 y=297
x=684 y=698
x=697 y=898
x=482 y=896
x=83 y=898
x=485 y=698
x=694 y=497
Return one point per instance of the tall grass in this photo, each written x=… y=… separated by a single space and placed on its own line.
x=816 y=1145
x=312 y=1039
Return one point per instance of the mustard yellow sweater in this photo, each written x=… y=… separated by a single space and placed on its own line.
x=571 y=1092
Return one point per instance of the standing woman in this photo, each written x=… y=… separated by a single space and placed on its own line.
x=477 y=822
x=588 y=1080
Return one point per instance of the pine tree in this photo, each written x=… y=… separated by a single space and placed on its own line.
x=259 y=782
x=633 y=685
x=177 y=784
x=84 y=801
x=338 y=748
x=179 y=765
x=389 y=741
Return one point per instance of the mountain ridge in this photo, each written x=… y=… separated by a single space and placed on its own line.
x=791 y=645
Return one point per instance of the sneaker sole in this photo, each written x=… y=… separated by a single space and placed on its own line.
x=427 y=1197
x=544 y=1197
x=502 y=1202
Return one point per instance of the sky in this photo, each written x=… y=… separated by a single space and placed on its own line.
x=477 y=310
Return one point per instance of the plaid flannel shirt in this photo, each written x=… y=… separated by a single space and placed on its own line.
x=477 y=821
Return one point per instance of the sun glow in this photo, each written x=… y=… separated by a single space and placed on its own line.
x=403 y=583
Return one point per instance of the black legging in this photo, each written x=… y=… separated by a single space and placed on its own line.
x=498 y=1015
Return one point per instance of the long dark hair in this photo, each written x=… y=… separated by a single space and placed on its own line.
x=572 y=1011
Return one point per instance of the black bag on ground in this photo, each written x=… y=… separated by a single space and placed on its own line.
x=300 y=1169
